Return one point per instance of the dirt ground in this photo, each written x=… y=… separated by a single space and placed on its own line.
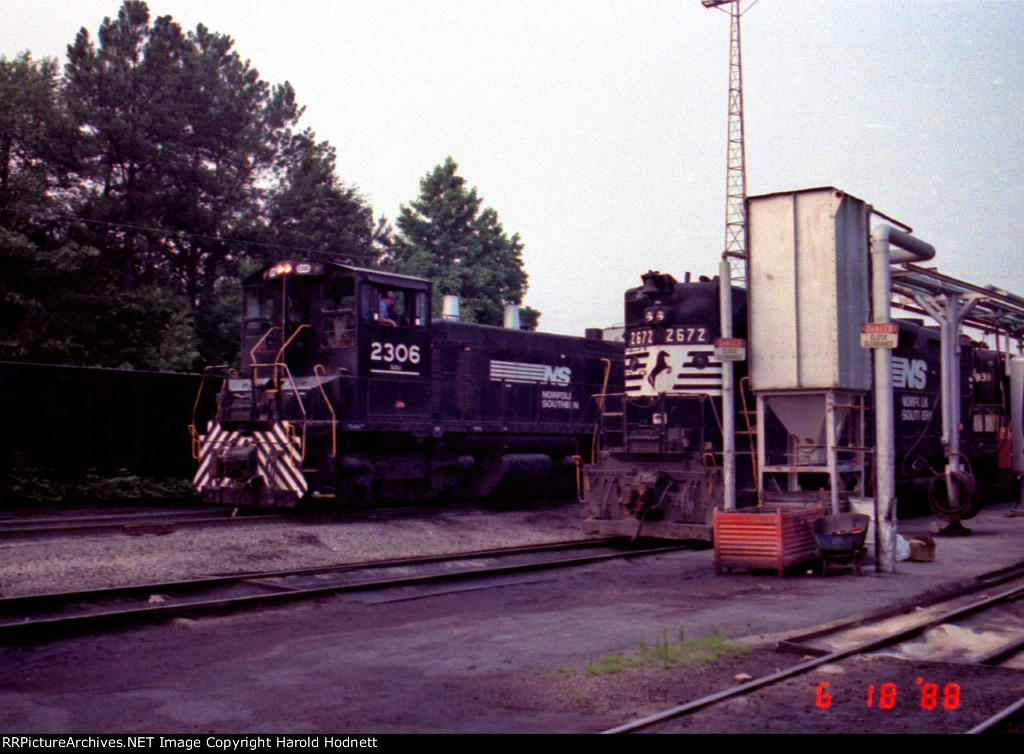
x=512 y=656
x=518 y=658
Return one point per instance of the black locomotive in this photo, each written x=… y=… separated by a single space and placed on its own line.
x=658 y=462
x=349 y=392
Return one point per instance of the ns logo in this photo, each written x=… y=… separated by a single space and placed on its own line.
x=909 y=373
x=557 y=375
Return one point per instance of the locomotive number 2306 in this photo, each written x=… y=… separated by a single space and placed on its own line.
x=394 y=353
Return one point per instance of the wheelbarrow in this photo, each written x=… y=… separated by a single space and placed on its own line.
x=840 y=538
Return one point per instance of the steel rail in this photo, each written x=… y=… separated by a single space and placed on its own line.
x=29 y=528
x=1005 y=714
x=30 y=608
x=862 y=648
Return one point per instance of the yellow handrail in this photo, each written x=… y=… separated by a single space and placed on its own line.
x=252 y=354
x=192 y=431
x=298 y=399
x=280 y=353
x=600 y=409
x=317 y=370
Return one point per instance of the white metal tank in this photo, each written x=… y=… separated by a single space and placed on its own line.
x=809 y=291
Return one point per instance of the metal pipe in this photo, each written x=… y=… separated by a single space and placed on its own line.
x=882 y=238
x=728 y=390
x=1017 y=423
x=946 y=310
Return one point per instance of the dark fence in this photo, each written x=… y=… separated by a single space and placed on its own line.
x=74 y=419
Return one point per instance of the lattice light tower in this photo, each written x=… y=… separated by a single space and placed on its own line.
x=734 y=258
x=735 y=252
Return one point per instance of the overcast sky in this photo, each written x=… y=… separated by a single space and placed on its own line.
x=597 y=128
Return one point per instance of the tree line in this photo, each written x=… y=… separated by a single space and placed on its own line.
x=142 y=182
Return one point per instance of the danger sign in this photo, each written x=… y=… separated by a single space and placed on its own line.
x=731 y=349
x=879 y=335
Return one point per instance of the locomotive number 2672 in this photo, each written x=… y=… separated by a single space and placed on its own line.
x=392 y=352
x=687 y=335
x=682 y=335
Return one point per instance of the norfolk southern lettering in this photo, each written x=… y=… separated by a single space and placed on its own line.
x=557 y=399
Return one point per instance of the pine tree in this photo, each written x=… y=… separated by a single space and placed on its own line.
x=447 y=237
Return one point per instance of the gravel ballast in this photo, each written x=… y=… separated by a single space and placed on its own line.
x=104 y=560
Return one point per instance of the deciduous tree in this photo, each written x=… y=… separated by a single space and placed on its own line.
x=135 y=190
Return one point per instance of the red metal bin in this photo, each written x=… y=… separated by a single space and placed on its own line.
x=768 y=536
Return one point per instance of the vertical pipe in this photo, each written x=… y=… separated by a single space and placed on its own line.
x=831 y=460
x=728 y=389
x=1016 y=367
x=885 y=425
x=948 y=312
x=450 y=307
x=950 y=350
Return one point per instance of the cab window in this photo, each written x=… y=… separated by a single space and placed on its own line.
x=339 y=294
x=394 y=306
x=338 y=324
x=339 y=329
x=258 y=306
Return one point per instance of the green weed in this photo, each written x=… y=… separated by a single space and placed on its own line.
x=667 y=654
x=610 y=665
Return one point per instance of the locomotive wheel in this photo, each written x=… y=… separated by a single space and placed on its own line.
x=939 y=501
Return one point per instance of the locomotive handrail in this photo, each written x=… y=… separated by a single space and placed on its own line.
x=599 y=425
x=298 y=399
x=317 y=369
x=278 y=364
x=280 y=353
x=581 y=479
x=192 y=431
x=255 y=348
x=290 y=430
x=604 y=383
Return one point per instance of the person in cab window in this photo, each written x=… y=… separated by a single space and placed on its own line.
x=384 y=313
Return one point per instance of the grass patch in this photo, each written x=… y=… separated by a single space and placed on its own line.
x=45 y=486
x=668 y=654
x=610 y=665
x=689 y=651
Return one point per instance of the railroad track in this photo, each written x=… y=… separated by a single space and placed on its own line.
x=894 y=673
x=134 y=522
x=34 y=616
x=74 y=522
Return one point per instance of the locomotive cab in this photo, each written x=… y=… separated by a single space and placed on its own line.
x=298 y=315
x=657 y=471
x=276 y=304
x=323 y=346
